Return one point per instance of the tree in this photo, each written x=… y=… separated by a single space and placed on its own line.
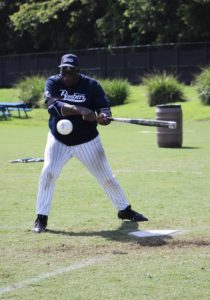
x=112 y=26
x=53 y=25
x=136 y=22
x=163 y=21
x=195 y=20
x=10 y=41
x=59 y=25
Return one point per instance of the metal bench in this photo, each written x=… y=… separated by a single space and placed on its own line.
x=15 y=106
x=20 y=109
x=4 y=113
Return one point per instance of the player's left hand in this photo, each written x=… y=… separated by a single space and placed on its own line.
x=102 y=119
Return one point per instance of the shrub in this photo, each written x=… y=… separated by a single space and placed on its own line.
x=32 y=90
x=163 y=89
x=202 y=83
x=117 y=90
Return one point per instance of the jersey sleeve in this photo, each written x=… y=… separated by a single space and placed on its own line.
x=50 y=94
x=101 y=101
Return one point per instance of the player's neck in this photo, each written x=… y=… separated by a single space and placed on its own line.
x=71 y=82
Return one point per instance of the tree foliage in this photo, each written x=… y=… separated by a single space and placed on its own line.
x=58 y=25
x=10 y=41
x=72 y=24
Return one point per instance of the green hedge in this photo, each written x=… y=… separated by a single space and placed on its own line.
x=202 y=83
x=117 y=90
x=163 y=89
x=32 y=90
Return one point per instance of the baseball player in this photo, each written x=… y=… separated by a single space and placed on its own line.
x=79 y=98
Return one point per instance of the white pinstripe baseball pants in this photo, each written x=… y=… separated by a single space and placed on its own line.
x=92 y=156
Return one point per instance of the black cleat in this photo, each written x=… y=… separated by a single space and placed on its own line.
x=131 y=215
x=40 y=223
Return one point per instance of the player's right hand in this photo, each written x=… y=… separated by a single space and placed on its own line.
x=102 y=119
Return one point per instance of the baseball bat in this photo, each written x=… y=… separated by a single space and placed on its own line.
x=146 y=122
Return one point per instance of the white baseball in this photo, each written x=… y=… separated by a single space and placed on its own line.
x=64 y=127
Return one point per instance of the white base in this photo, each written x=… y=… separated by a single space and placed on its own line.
x=152 y=233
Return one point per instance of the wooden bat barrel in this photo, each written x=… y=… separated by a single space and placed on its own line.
x=172 y=138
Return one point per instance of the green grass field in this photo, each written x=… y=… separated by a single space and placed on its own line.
x=87 y=253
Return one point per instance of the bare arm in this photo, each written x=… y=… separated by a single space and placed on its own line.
x=71 y=110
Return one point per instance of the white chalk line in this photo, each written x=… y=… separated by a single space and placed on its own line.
x=75 y=266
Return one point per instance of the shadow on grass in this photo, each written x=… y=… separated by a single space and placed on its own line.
x=182 y=148
x=190 y=148
x=121 y=234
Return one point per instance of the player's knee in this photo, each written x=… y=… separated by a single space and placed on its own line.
x=109 y=182
x=48 y=176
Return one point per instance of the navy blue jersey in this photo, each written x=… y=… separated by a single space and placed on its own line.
x=88 y=93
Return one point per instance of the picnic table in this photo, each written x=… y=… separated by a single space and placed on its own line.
x=3 y=112
x=7 y=107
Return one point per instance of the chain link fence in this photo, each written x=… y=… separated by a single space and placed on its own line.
x=131 y=63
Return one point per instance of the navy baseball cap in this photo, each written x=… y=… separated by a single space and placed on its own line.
x=69 y=60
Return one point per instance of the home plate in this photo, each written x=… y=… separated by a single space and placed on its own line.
x=152 y=233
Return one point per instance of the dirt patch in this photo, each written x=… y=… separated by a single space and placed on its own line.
x=190 y=243
x=86 y=243
x=118 y=248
